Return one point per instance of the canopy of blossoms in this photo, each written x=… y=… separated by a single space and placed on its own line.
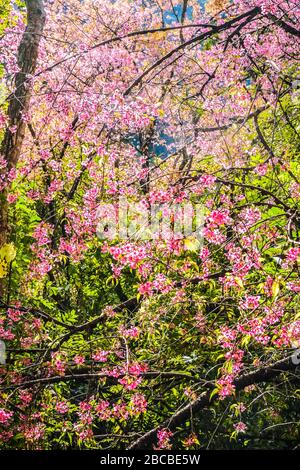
x=128 y=337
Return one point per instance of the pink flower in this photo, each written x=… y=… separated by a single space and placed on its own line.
x=102 y=409
x=292 y=255
x=41 y=234
x=14 y=314
x=6 y=334
x=293 y=286
x=248 y=218
x=241 y=407
x=219 y=217
x=267 y=6
x=3 y=161
x=130 y=383
x=11 y=198
x=6 y=435
x=261 y=170
x=200 y=321
x=146 y=289
x=214 y=236
x=129 y=254
x=58 y=363
x=207 y=180
x=240 y=427
x=79 y=360
x=204 y=253
x=137 y=369
x=35 y=432
x=138 y=403
x=226 y=387
x=62 y=407
x=227 y=336
x=25 y=398
x=164 y=436
x=5 y=416
x=250 y=302
x=85 y=406
x=121 y=411
x=132 y=332
x=85 y=434
x=100 y=356
x=109 y=311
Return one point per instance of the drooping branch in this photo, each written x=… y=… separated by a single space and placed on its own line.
x=264 y=374
x=248 y=17
x=232 y=121
x=81 y=376
x=43 y=315
x=120 y=38
x=288 y=28
x=251 y=14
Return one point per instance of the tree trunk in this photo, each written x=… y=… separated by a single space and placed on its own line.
x=19 y=102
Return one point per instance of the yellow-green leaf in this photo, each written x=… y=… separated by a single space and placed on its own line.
x=275 y=288
x=8 y=252
x=239 y=282
x=191 y=244
x=3 y=268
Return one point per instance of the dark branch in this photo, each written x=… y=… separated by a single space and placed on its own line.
x=265 y=374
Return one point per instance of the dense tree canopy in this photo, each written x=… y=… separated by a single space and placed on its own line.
x=129 y=338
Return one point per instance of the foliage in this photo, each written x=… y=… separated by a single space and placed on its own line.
x=107 y=339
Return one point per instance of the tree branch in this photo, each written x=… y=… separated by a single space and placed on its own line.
x=213 y=31
x=264 y=374
x=77 y=376
x=287 y=27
